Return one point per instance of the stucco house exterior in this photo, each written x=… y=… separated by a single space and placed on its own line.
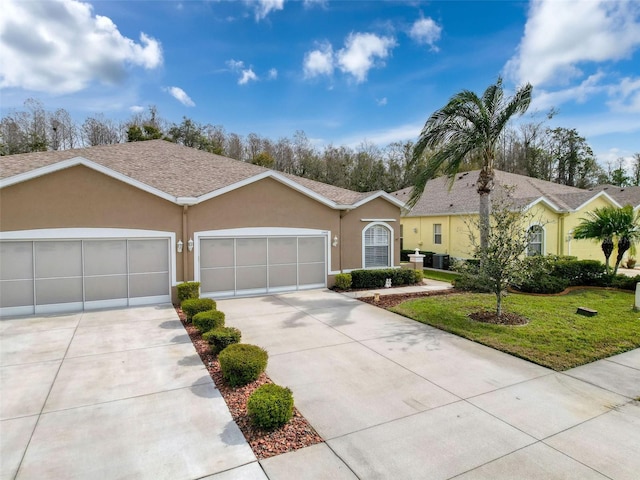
x=123 y=224
x=437 y=222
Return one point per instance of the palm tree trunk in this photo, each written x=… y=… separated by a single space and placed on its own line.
x=607 y=249
x=623 y=245
x=484 y=187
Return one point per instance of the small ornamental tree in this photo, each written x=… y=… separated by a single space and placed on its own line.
x=500 y=261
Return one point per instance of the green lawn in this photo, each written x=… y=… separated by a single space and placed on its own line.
x=555 y=336
x=442 y=275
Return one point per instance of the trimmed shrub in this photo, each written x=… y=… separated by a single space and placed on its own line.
x=242 y=363
x=343 y=281
x=470 y=283
x=377 y=278
x=545 y=284
x=625 y=283
x=221 y=337
x=404 y=255
x=205 y=321
x=187 y=290
x=579 y=272
x=418 y=276
x=270 y=406
x=192 y=306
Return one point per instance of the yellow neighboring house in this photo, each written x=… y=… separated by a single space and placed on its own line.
x=437 y=222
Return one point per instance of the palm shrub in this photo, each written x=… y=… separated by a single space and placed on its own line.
x=270 y=406
x=208 y=320
x=192 y=306
x=242 y=363
x=221 y=337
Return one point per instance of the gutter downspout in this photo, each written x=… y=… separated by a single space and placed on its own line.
x=340 y=243
x=185 y=250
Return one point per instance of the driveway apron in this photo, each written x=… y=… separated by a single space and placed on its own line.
x=397 y=399
x=112 y=394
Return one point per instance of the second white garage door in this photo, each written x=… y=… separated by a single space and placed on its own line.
x=232 y=266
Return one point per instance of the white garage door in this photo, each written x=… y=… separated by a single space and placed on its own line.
x=259 y=265
x=65 y=275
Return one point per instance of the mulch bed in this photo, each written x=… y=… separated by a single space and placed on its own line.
x=296 y=434
x=388 y=301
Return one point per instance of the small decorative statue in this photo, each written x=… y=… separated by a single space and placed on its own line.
x=387 y=283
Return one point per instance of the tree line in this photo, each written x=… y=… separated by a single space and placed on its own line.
x=532 y=148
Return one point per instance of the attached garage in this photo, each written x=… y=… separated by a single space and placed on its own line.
x=48 y=275
x=251 y=262
x=122 y=225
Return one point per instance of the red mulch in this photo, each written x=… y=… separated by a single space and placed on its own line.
x=388 y=301
x=296 y=434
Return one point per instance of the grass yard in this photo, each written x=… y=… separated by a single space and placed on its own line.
x=555 y=336
x=442 y=275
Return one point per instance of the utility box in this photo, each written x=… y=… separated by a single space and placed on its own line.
x=441 y=261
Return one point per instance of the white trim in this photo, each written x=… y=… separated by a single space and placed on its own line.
x=602 y=193
x=378 y=220
x=16 y=311
x=391 y=250
x=544 y=200
x=137 y=301
x=96 y=233
x=189 y=201
x=379 y=194
x=58 y=308
x=76 y=161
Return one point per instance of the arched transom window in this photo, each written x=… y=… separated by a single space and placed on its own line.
x=536 y=240
x=377 y=246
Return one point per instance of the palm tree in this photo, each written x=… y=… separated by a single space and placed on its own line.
x=468 y=126
x=607 y=224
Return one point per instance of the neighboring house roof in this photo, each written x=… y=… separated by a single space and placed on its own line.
x=622 y=195
x=462 y=198
x=174 y=172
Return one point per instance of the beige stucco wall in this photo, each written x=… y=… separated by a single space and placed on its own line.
x=79 y=197
x=585 y=249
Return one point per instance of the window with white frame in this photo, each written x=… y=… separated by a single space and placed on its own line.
x=536 y=240
x=377 y=242
x=437 y=233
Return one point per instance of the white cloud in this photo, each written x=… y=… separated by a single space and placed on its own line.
x=381 y=101
x=383 y=137
x=592 y=85
x=263 y=8
x=319 y=61
x=247 y=76
x=426 y=31
x=181 y=96
x=561 y=35
x=136 y=108
x=625 y=96
x=315 y=3
x=362 y=52
x=273 y=74
x=62 y=47
x=235 y=65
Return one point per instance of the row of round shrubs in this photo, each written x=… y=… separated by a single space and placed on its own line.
x=269 y=406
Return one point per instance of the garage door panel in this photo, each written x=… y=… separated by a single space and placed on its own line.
x=105 y=288
x=249 y=278
x=105 y=257
x=218 y=279
x=311 y=273
x=311 y=249
x=217 y=253
x=17 y=260
x=148 y=285
x=251 y=251
x=16 y=293
x=58 y=290
x=283 y=250
x=283 y=276
x=148 y=256
x=58 y=259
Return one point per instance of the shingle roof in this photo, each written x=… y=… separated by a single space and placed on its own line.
x=622 y=195
x=174 y=169
x=462 y=198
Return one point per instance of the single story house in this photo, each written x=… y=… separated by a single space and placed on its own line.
x=120 y=225
x=438 y=221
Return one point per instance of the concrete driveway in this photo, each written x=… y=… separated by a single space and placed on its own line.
x=397 y=399
x=111 y=395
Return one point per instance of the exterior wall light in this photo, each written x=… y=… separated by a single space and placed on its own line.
x=190 y=245
x=180 y=245
x=335 y=241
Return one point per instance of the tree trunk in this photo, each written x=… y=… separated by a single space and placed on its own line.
x=484 y=187
x=499 y=304
x=623 y=245
x=607 y=249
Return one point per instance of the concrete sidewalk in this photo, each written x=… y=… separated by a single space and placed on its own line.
x=397 y=399
x=428 y=285
x=112 y=394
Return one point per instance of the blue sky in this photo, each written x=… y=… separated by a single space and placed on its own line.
x=343 y=72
